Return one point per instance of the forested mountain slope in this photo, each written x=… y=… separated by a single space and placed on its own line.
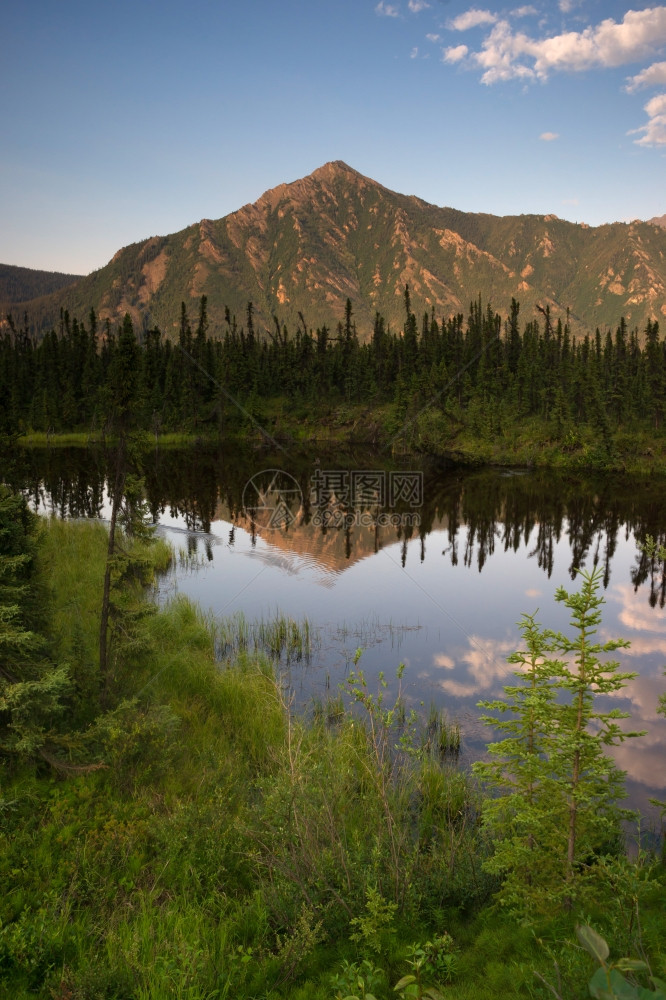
x=18 y=284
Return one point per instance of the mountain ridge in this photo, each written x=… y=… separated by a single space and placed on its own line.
x=304 y=247
x=20 y=284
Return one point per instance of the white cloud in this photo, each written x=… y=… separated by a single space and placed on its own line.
x=549 y=136
x=386 y=9
x=524 y=11
x=506 y=55
x=654 y=133
x=416 y=6
x=654 y=75
x=471 y=19
x=656 y=105
x=500 y=50
x=414 y=54
x=433 y=38
x=566 y=6
x=455 y=53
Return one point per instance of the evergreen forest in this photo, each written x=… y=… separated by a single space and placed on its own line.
x=438 y=386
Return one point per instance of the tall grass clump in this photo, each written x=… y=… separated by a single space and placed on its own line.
x=280 y=638
x=440 y=735
x=350 y=826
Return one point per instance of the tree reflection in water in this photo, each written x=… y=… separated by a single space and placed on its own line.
x=481 y=511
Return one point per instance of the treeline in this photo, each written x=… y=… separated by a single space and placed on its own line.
x=484 y=366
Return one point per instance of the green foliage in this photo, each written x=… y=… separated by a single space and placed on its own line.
x=357 y=981
x=130 y=567
x=33 y=689
x=410 y=988
x=652 y=549
x=374 y=928
x=434 y=960
x=278 y=637
x=609 y=981
x=298 y=943
x=558 y=808
x=136 y=741
x=68 y=559
x=36 y=940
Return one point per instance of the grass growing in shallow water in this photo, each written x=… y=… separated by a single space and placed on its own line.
x=280 y=638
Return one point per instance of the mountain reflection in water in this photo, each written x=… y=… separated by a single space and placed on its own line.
x=441 y=595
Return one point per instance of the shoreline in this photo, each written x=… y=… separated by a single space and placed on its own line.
x=631 y=454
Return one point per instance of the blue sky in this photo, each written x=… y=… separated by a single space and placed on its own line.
x=125 y=120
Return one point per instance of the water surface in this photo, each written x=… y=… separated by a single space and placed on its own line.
x=436 y=580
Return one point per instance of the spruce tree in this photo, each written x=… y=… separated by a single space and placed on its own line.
x=32 y=687
x=556 y=798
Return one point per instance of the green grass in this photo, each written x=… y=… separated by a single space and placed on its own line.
x=85 y=439
x=69 y=439
x=228 y=850
x=526 y=442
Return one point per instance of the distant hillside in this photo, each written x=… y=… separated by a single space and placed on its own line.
x=307 y=246
x=658 y=220
x=18 y=284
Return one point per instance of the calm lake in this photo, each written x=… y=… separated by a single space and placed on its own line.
x=421 y=564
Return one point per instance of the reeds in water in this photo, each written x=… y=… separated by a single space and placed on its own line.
x=441 y=735
x=281 y=638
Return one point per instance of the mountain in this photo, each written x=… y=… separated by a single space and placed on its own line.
x=18 y=284
x=658 y=220
x=307 y=246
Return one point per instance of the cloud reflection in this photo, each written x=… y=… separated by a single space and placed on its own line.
x=481 y=668
x=635 y=613
x=480 y=671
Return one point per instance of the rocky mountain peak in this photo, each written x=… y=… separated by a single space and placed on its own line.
x=306 y=246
